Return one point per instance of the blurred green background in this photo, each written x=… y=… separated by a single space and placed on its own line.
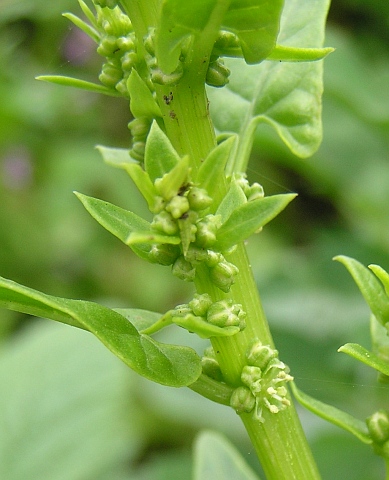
x=69 y=409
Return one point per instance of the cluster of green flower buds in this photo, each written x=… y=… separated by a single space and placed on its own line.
x=207 y=318
x=210 y=365
x=180 y=214
x=139 y=128
x=378 y=426
x=264 y=381
x=117 y=45
x=252 y=191
x=217 y=73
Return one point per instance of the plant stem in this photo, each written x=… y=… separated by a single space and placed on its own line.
x=279 y=442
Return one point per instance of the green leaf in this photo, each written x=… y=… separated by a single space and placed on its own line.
x=217 y=459
x=285 y=95
x=142 y=103
x=70 y=393
x=120 y=158
x=333 y=415
x=169 y=185
x=77 y=83
x=234 y=198
x=212 y=170
x=256 y=23
x=86 y=28
x=160 y=155
x=282 y=53
x=117 y=221
x=370 y=287
x=365 y=356
x=248 y=218
x=166 y=364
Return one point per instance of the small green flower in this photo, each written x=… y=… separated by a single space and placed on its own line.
x=242 y=400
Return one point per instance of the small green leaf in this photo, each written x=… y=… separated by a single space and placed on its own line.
x=142 y=103
x=202 y=328
x=88 y=13
x=256 y=23
x=90 y=31
x=212 y=171
x=365 y=356
x=370 y=287
x=215 y=458
x=166 y=364
x=282 y=53
x=120 y=158
x=77 y=83
x=248 y=218
x=234 y=198
x=333 y=415
x=160 y=155
x=117 y=221
x=382 y=275
x=169 y=185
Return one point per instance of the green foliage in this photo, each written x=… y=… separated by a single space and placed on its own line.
x=312 y=310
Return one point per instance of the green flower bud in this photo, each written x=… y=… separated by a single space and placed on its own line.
x=226 y=40
x=211 y=368
x=206 y=230
x=125 y=43
x=165 y=223
x=252 y=378
x=225 y=314
x=157 y=76
x=200 y=304
x=254 y=192
x=213 y=258
x=138 y=151
x=260 y=355
x=107 y=46
x=128 y=61
x=217 y=74
x=196 y=255
x=178 y=206
x=199 y=199
x=223 y=275
x=164 y=254
x=242 y=400
x=378 y=425
x=184 y=269
x=110 y=75
x=121 y=87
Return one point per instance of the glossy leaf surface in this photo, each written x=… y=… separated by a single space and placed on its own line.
x=166 y=364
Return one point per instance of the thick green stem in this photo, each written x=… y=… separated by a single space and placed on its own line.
x=280 y=442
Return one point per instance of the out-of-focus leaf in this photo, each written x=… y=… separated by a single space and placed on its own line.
x=333 y=415
x=63 y=399
x=166 y=364
x=142 y=102
x=216 y=458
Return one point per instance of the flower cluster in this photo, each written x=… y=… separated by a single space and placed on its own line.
x=118 y=45
x=264 y=381
x=207 y=318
